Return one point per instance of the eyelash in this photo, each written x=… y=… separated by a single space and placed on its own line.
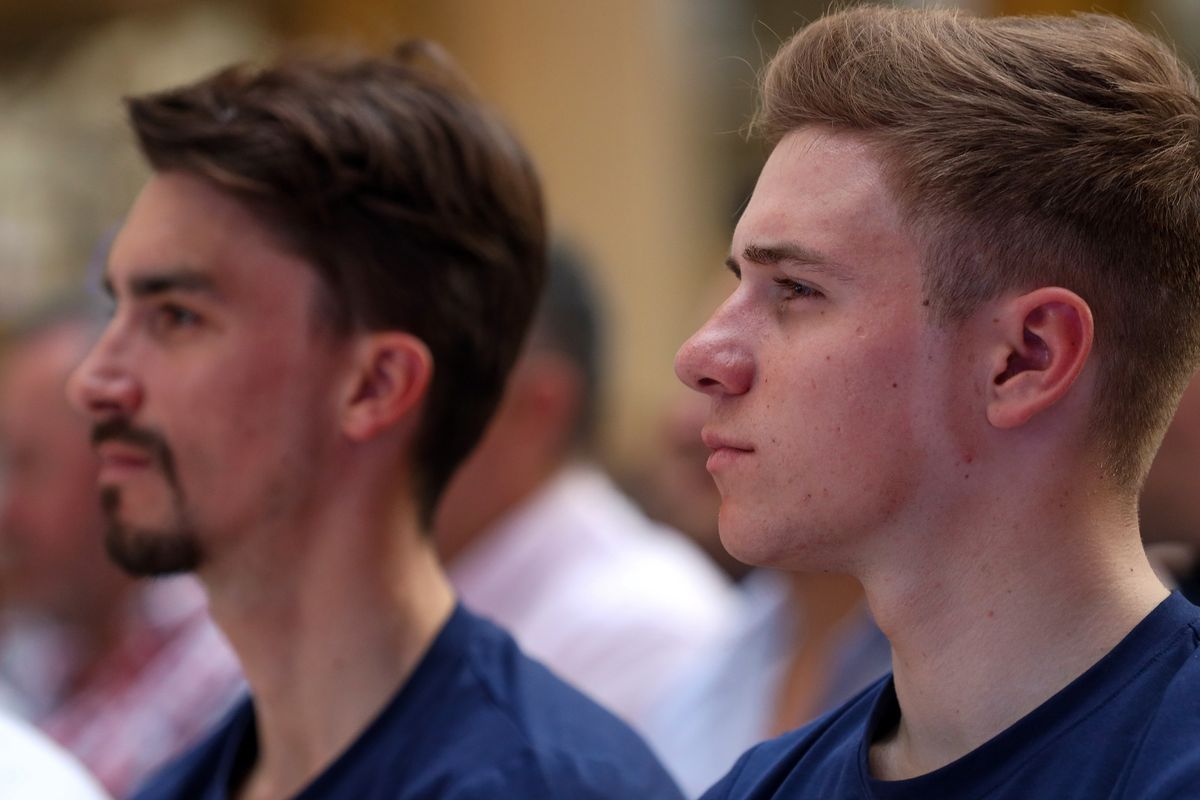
x=796 y=289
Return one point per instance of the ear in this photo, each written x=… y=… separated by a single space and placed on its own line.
x=391 y=374
x=1043 y=342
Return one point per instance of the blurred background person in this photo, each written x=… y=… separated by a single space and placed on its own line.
x=1170 y=503
x=536 y=536
x=123 y=675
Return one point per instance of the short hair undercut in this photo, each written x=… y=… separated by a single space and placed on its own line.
x=418 y=209
x=1026 y=152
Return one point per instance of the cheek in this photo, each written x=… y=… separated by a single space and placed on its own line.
x=851 y=419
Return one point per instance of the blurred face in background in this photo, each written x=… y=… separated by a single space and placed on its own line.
x=51 y=554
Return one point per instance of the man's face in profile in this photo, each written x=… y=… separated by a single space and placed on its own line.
x=211 y=388
x=822 y=373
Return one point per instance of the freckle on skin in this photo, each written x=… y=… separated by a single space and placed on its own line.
x=894 y=385
x=991 y=614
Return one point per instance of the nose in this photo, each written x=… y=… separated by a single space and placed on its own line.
x=716 y=359
x=103 y=386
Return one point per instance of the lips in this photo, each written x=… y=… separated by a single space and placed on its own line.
x=717 y=441
x=118 y=457
x=725 y=450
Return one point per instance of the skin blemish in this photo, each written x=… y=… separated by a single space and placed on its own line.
x=991 y=614
x=925 y=302
x=895 y=385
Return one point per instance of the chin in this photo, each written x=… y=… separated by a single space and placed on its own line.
x=761 y=543
x=746 y=541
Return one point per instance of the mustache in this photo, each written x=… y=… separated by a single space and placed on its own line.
x=120 y=429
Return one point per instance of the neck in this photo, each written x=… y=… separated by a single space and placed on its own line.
x=1042 y=597
x=328 y=639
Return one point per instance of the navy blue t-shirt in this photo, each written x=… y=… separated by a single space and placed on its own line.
x=476 y=719
x=1127 y=728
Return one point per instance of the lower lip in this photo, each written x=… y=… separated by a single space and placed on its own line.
x=724 y=457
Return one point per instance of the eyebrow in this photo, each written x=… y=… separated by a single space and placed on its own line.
x=181 y=279
x=791 y=253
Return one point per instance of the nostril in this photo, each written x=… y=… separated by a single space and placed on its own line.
x=707 y=382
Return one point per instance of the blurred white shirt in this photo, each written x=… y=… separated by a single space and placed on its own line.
x=34 y=768
x=611 y=601
x=726 y=703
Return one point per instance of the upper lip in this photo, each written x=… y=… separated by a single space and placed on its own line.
x=716 y=441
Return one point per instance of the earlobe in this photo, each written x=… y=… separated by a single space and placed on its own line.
x=391 y=375
x=1045 y=338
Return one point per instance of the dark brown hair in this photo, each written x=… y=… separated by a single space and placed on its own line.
x=417 y=207
x=1030 y=152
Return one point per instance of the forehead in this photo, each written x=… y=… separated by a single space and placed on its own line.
x=181 y=223
x=824 y=192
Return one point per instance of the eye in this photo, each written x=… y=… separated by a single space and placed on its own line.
x=796 y=289
x=171 y=316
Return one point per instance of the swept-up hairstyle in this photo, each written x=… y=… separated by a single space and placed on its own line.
x=1027 y=152
x=418 y=209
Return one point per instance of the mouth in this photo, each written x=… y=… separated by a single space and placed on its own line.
x=124 y=451
x=118 y=459
x=724 y=451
